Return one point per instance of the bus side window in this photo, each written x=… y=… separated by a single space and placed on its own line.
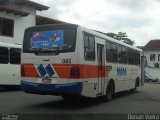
x=89 y=47
x=111 y=52
x=108 y=52
x=119 y=54
x=130 y=54
x=4 y=55
x=114 y=52
x=137 y=58
x=122 y=55
x=15 y=55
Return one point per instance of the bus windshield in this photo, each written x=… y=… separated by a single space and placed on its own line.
x=50 y=40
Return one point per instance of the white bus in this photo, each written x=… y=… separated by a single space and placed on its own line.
x=70 y=60
x=9 y=64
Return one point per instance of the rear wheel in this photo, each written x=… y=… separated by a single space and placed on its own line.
x=109 y=92
x=135 y=88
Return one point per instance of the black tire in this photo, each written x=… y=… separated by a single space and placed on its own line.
x=109 y=92
x=135 y=88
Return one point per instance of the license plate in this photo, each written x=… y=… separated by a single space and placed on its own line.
x=46 y=80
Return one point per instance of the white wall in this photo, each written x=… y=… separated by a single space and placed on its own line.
x=148 y=53
x=20 y=24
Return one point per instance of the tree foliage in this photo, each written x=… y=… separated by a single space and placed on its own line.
x=121 y=37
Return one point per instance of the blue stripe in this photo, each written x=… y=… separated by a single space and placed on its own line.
x=41 y=70
x=49 y=70
x=52 y=89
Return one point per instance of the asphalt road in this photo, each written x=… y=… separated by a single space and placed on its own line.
x=145 y=101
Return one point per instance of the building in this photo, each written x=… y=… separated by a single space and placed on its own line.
x=17 y=15
x=152 y=53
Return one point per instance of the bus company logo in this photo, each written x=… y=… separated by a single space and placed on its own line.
x=121 y=71
x=45 y=70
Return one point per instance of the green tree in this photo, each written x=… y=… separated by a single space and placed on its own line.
x=121 y=37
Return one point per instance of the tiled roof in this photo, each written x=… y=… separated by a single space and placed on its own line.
x=38 y=6
x=14 y=11
x=41 y=20
x=153 y=45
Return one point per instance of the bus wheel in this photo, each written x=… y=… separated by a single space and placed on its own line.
x=109 y=92
x=135 y=88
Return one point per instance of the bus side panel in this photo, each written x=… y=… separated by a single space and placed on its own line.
x=10 y=74
x=124 y=76
x=88 y=69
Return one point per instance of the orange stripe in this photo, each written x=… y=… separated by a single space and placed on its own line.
x=29 y=70
x=86 y=71
x=63 y=71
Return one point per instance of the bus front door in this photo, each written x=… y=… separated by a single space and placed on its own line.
x=101 y=67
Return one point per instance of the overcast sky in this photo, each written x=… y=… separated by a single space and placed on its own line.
x=140 y=19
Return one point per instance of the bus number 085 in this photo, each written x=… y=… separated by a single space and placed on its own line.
x=66 y=61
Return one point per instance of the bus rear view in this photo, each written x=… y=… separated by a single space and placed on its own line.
x=47 y=58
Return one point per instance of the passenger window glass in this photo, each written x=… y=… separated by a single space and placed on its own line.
x=119 y=54
x=85 y=41
x=4 y=55
x=91 y=42
x=114 y=52
x=130 y=56
x=137 y=58
x=89 y=47
x=111 y=52
x=15 y=55
x=122 y=55
x=108 y=52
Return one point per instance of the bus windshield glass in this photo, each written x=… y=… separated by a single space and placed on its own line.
x=54 y=40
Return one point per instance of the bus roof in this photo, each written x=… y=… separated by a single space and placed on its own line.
x=10 y=45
